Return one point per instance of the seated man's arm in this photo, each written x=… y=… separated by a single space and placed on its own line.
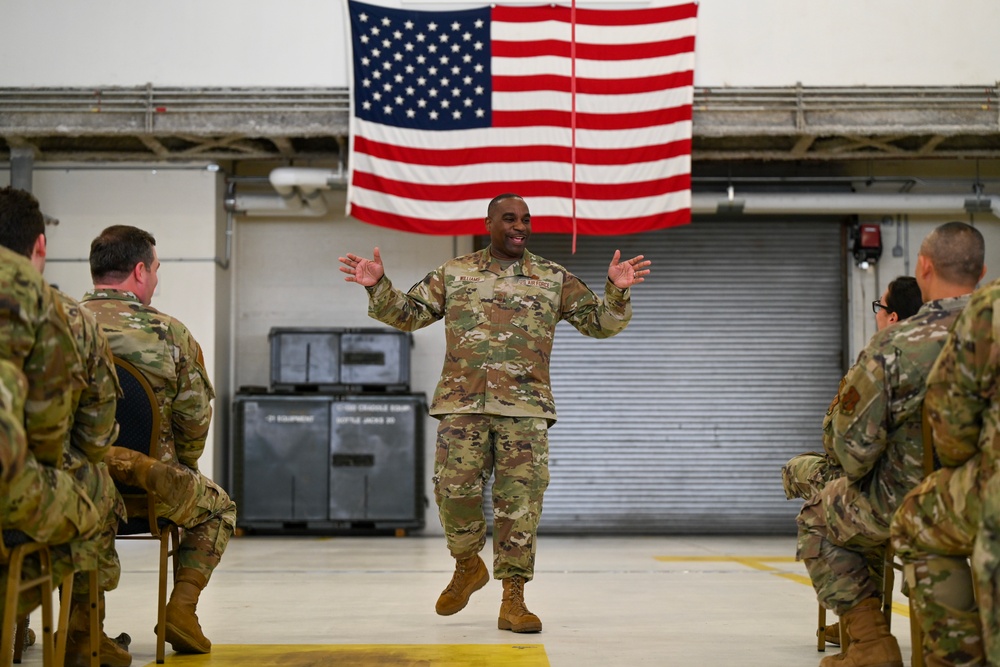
x=962 y=382
x=860 y=420
x=192 y=406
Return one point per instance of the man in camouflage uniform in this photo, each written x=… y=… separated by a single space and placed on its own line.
x=40 y=499
x=804 y=475
x=877 y=441
x=954 y=514
x=124 y=266
x=500 y=306
x=93 y=429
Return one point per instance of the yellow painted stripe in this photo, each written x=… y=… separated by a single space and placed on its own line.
x=350 y=655
x=758 y=563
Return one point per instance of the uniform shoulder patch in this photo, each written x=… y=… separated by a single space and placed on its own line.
x=849 y=400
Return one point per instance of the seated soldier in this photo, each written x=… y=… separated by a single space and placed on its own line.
x=93 y=429
x=877 y=441
x=954 y=514
x=804 y=475
x=46 y=503
x=124 y=266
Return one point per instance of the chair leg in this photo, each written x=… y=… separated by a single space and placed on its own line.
x=821 y=632
x=888 y=583
x=161 y=601
x=95 y=619
x=65 y=606
x=10 y=607
x=49 y=658
x=20 y=638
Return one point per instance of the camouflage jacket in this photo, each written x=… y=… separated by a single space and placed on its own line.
x=94 y=428
x=878 y=425
x=499 y=327
x=35 y=336
x=962 y=402
x=169 y=357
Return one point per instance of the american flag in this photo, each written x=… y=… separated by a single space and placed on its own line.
x=585 y=113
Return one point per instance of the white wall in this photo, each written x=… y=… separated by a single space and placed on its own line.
x=178 y=206
x=235 y=43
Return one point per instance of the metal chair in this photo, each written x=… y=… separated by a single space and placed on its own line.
x=138 y=419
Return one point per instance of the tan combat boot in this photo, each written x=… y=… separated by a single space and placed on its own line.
x=514 y=616
x=871 y=643
x=78 y=649
x=470 y=575
x=183 y=630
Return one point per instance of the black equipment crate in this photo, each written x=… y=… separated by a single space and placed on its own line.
x=328 y=462
x=340 y=360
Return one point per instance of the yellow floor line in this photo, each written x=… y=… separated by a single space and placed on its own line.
x=349 y=655
x=758 y=563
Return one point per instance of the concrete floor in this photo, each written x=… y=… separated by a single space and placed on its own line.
x=666 y=601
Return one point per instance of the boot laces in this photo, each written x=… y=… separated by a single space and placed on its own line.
x=461 y=569
x=516 y=596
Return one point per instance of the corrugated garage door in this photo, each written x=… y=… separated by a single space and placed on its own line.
x=681 y=423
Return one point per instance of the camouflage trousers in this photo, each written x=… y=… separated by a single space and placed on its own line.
x=952 y=515
x=804 y=476
x=86 y=490
x=516 y=451
x=842 y=539
x=203 y=510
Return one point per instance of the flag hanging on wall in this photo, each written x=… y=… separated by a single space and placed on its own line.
x=585 y=113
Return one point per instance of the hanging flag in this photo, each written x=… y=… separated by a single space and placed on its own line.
x=585 y=113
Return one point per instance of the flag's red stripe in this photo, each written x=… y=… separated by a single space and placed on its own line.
x=608 y=52
x=591 y=121
x=511 y=14
x=533 y=188
x=539 y=224
x=463 y=156
x=561 y=84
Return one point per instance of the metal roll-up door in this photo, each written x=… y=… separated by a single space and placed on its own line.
x=681 y=423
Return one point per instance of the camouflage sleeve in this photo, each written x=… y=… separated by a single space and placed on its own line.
x=421 y=306
x=192 y=406
x=592 y=316
x=860 y=418
x=94 y=425
x=13 y=444
x=962 y=380
x=55 y=372
x=828 y=421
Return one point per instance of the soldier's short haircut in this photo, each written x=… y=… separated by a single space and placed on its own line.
x=21 y=220
x=117 y=250
x=957 y=251
x=903 y=297
x=499 y=198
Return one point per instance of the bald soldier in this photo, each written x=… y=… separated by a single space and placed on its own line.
x=500 y=307
x=877 y=441
x=954 y=514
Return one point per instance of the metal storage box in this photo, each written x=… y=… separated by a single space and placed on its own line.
x=281 y=458
x=340 y=360
x=375 y=357
x=305 y=357
x=329 y=462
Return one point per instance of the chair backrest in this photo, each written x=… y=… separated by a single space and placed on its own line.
x=138 y=417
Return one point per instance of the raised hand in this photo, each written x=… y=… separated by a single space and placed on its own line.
x=363 y=271
x=627 y=273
